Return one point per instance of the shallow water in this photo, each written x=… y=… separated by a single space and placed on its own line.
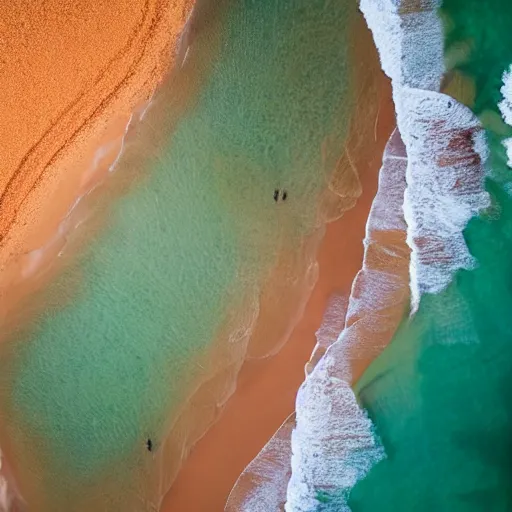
x=187 y=247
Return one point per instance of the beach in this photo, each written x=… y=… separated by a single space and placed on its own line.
x=73 y=77
x=70 y=155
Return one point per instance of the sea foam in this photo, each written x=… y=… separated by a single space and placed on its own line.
x=334 y=443
x=262 y=485
x=505 y=107
x=409 y=41
x=445 y=185
x=444 y=140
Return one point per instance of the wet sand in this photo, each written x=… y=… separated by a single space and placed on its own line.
x=266 y=389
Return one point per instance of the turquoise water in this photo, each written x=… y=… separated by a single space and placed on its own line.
x=189 y=242
x=439 y=395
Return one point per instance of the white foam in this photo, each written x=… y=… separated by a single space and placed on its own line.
x=444 y=140
x=505 y=107
x=333 y=322
x=409 y=40
x=262 y=485
x=508 y=147
x=445 y=185
x=379 y=291
x=334 y=444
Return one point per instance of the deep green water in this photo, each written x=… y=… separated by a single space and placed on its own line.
x=440 y=395
x=101 y=375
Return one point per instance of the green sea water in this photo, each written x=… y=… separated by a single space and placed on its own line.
x=196 y=236
x=440 y=394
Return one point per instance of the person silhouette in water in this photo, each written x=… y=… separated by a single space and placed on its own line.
x=284 y=195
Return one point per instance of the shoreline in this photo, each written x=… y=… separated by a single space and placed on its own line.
x=29 y=251
x=36 y=238
x=266 y=389
x=68 y=164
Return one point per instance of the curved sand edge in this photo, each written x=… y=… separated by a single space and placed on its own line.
x=40 y=180
x=49 y=183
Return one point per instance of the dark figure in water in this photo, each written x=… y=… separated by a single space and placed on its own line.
x=149 y=445
x=276 y=195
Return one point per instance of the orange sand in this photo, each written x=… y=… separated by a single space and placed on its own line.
x=71 y=75
x=266 y=389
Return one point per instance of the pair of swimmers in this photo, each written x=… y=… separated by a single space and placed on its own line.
x=283 y=193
